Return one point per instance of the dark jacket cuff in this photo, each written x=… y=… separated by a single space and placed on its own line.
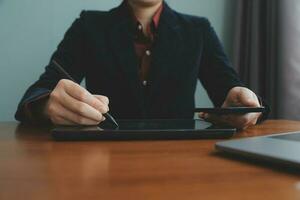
x=25 y=112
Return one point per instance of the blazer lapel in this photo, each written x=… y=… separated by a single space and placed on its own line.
x=165 y=50
x=122 y=45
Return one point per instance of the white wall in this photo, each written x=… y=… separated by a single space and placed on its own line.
x=30 y=31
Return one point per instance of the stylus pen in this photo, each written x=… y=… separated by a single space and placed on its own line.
x=67 y=75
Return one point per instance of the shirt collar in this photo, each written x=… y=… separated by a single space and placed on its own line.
x=155 y=18
x=157 y=15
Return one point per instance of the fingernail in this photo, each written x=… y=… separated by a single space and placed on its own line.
x=100 y=116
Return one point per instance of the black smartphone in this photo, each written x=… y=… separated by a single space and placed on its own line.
x=231 y=110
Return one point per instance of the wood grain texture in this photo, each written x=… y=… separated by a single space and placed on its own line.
x=34 y=167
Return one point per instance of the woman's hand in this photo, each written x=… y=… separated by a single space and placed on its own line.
x=71 y=104
x=237 y=97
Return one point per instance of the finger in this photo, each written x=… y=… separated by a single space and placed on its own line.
x=73 y=118
x=79 y=108
x=81 y=94
x=253 y=119
x=240 y=96
x=242 y=121
x=103 y=99
x=62 y=121
x=216 y=119
x=248 y=98
x=237 y=121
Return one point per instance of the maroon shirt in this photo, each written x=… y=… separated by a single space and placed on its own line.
x=143 y=43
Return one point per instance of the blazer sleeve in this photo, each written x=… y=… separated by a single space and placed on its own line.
x=70 y=54
x=216 y=73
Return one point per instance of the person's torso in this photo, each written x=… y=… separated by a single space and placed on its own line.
x=112 y=66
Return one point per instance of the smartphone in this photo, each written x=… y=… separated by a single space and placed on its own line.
x=231 y=110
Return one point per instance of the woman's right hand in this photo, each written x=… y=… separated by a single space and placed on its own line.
x=71 y=104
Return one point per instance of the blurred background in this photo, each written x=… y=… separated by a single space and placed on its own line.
x=261 y=38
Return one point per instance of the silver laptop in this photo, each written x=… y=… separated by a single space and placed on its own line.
x=282 y=148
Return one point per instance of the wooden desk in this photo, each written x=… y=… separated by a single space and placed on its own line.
x=32 y=166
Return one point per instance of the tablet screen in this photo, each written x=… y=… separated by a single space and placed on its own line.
x=138 y=125
x=144 y=129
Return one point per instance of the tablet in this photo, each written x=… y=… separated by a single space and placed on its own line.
x=144 y=130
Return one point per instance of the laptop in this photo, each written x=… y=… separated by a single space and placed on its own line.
x=281 y=148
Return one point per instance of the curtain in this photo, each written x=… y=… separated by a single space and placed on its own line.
x=289 y=99
x=255 y=53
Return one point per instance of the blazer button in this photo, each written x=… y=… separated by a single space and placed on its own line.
x=145 y=83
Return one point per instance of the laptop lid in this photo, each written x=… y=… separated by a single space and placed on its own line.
x=281 y=148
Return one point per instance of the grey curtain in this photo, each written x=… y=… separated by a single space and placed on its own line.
x=255 y=54
x=289 y=99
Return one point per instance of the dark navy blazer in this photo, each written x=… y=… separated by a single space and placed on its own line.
x=99 y=47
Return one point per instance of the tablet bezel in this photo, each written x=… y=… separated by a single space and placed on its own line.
x=78 y=133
